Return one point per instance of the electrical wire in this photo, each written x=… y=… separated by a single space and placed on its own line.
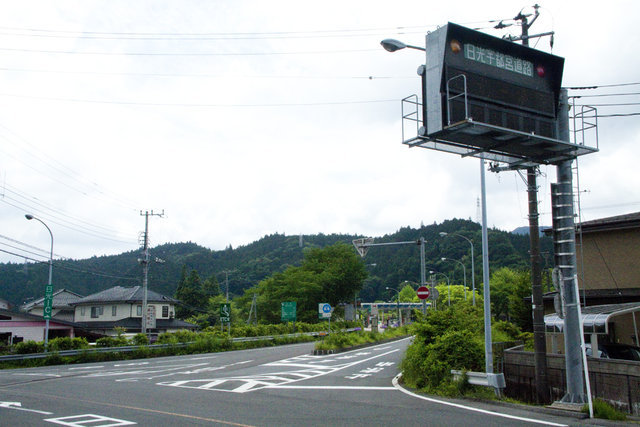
x=75 y=177
x=601 y=86
x=61 y=221
x=177 y=104
x=31 y=199
x=605 y=94
x=186 y=54
x=204 y=75
x=58 y=265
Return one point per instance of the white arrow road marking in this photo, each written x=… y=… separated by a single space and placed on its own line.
x=18 y=406
x=272 y=380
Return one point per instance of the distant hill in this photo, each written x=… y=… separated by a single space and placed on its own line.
x=249 y=264
x=525 y=230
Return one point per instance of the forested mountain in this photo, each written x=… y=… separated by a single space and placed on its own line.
x=246 y=265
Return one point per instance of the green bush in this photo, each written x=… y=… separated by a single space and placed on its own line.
x=444 y=340
x=140 y=339
x=53 y=359
x=184 y=336
x=604 y=410
x=67 y=343
x=111 y=341
x=27 y=347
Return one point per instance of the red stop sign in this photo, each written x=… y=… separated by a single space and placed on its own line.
x=423 y=292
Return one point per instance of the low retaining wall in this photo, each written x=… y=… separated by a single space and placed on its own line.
x=615 y=381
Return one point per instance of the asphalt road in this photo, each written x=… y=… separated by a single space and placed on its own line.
x=275 y=386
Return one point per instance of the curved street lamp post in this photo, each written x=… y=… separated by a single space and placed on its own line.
x=464 y=273
x=48 y=292
x=448 y=283
x=473 y=273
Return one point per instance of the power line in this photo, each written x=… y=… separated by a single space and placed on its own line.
x=620 y=104
x=608 y=115
x=73 y=52
x=605 y=94
x=60 y=168
x=602 y=86
x=58 y=265
x=159 y=104
x=60 y=221
x=44 y=206
x=203 y=75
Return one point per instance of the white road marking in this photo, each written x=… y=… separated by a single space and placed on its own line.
x=86 y=367
x=204 y=358
x=131 y=364
x=89 y=419
x=18 y=406
x=334 y=387
x=37 y=374
x=470 y=408
x=271 y=380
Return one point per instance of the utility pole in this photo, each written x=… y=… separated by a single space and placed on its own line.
x=145 y=266
x=539 y=341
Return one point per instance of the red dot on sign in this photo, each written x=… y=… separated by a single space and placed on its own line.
x=540 y=70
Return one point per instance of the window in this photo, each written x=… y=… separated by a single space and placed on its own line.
x=82 y=311
x=165 y=311
x=139 y=310
x=96 y=312
x=114 y=310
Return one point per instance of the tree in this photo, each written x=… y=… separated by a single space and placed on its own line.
x=408 y=294
x=509 y=288
x=339 y=270
x=211 y=287
x=191 y=294
x=332 y=274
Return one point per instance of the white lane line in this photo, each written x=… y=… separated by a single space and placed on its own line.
x=331 y=387
x=18 y=406
x=470 y=408
x=86 y=367
x=35 y=374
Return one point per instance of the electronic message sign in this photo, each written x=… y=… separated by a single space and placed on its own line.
x=487 y=95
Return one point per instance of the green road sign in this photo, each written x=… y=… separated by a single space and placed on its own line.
x=288 y=311
x=225 y=313
x=48 y=302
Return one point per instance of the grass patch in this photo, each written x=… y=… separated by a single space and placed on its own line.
x=604 y=410
x=344 y=340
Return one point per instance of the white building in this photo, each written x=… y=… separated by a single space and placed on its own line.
x=120 y=307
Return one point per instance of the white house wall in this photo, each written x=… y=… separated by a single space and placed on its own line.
x=123 y=311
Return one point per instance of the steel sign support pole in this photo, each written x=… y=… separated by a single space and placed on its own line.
x=564 y=227
x=488 y=349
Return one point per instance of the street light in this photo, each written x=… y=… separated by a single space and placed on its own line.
x=448 y=284
x=48 y=290
x=391 y=45
x=397 y=304
x=464 y=273
x=473 y=273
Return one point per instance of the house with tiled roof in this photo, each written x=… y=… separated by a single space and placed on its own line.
x=121 y=307
x=61 y=305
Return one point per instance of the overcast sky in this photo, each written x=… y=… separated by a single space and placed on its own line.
x=245 y=118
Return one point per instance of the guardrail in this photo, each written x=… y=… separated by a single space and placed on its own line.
x=481 y=378
x=130 y=348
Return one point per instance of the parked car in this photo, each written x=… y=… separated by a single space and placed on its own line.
x=616 y=351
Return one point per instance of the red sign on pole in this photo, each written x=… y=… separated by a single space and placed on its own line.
x=423 y=292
